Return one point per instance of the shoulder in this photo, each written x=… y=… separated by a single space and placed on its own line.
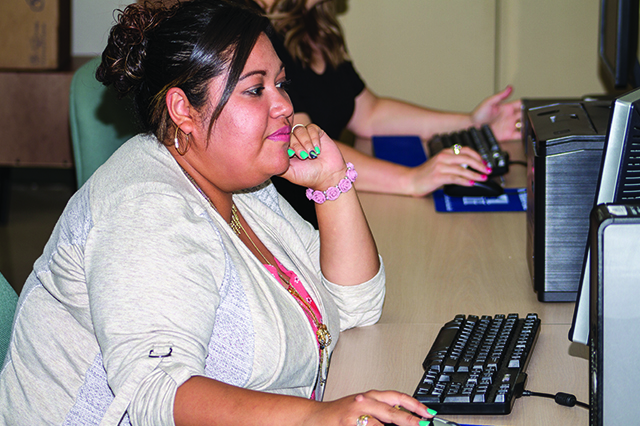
x=141 y=171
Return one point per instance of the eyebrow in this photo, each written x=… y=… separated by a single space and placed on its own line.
x=258 y=72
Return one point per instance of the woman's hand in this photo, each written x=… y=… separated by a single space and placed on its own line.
x=446 y=168
x=316 y=161
x=504 y=118
x=201 y=400
x=381 y=407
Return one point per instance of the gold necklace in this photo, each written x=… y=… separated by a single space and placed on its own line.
x=322 y=333
x=238 y=229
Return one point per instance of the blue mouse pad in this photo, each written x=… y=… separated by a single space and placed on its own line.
x=405 y=150
x=513 y=200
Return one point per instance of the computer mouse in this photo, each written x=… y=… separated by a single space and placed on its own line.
x=488 y=188
x=437 y=421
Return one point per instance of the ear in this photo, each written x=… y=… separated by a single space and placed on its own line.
x=180 y=110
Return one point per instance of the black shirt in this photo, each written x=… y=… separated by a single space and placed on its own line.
x=328 y=99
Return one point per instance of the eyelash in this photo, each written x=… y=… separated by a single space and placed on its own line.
x=257 y=91
x=284 y=84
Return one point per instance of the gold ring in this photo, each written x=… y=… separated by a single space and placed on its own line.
x=363 y=420
x=296 y=126
x=456 y=149
x=518 y=124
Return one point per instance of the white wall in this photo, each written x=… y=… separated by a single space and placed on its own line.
x=549 y=48
x=447 y=54
x=91 y=21
x=450 y=54
x=438 y=53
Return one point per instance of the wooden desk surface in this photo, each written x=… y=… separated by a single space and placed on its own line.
x=442 y=264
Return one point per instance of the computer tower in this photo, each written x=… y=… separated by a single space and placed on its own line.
x=614 y=315
x=564 y=144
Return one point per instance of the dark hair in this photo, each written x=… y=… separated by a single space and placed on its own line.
x=153 y=48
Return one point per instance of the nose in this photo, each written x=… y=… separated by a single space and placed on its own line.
x=281 y=105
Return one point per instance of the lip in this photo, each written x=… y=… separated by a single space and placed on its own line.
x=281 y=135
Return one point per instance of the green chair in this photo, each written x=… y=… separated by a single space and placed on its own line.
x=99 y=121
x=8 y=301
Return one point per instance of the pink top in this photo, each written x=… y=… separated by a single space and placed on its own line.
x=299 y=287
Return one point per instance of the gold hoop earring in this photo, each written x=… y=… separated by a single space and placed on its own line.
x=176 y=142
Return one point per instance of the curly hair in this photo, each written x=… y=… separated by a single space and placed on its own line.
x=307 y=30
x=153 y=48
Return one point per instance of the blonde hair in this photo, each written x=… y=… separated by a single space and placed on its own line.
x=307 y=30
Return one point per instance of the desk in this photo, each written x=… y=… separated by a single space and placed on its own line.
x=442 y=264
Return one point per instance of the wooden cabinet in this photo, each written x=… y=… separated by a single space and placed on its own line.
x=35 y=116
x=35 y=123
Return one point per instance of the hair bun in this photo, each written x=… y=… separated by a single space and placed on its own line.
x=123 y=58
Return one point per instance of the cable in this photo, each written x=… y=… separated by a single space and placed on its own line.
x=561 y=398
x=518 y=162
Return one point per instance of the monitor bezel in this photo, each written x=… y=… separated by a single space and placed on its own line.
x=619 y=133
x=624 y=69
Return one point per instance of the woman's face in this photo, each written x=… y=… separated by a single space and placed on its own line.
x=248 y=142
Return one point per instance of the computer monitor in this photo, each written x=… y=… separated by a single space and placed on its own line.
x=619 y=42
x=618 y=182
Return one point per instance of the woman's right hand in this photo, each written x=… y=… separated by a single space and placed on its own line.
x=316 y=161
x=381 y=406
x=446 y=168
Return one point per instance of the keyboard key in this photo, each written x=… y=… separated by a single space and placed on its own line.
x=482 y=141
x=473 y=362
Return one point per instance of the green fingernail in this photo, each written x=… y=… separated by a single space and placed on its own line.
x=432 y=411
x=304 y=155
x=291 y=152
x=317 y=150
x=425 y=423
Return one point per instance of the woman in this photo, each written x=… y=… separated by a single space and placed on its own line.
x=326 y=89
x=178 y=287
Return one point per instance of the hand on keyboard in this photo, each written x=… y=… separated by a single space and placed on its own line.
x=482 y=141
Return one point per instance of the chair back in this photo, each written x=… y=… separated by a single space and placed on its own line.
x=8 y=301
x=98 y=120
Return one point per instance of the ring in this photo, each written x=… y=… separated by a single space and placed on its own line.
x=518 y=124
x=362 y=420
x=296 y=126
x=456 y=149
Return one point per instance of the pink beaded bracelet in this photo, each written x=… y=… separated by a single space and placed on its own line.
x=332 y=193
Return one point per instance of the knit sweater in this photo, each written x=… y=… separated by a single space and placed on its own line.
x=143 y=285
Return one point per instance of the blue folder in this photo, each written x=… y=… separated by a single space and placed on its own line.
x=409 y=151
x=405 y=150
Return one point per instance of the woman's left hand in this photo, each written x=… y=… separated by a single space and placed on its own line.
x=316 y=161
x=504 y=118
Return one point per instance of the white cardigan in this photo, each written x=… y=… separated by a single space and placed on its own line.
x=143 y=285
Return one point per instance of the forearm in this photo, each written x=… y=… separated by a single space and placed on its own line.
x=206 y=402
x=348 y=253
x=379 y=116
x=375 y=175
x=398 y=117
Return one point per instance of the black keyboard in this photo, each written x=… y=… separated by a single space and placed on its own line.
x=477 y=364
x=484 y=143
